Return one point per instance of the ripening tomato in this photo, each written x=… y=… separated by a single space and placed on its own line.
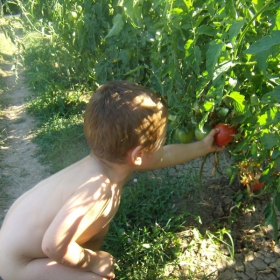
x=225 y=134
x=258 y=186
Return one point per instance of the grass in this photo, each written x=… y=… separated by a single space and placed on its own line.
x=143 y=234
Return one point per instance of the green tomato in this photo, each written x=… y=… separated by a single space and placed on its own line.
x=254 y=99
x=72 y=16
x=200 y=135
x=185 y=134
x=229 y=171
x=222 y=112
x=79 y=8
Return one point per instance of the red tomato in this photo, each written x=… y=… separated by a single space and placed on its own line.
x=258 y=186
x=225 y=135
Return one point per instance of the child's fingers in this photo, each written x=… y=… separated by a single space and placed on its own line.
x=214 y=131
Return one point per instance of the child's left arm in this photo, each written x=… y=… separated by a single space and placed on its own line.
x=175 y=154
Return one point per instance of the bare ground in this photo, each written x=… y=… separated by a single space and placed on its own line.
x=20 y=170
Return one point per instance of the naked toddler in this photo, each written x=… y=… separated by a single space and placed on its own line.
x=56 y=229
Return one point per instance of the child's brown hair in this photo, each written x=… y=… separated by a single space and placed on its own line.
x=122 y=115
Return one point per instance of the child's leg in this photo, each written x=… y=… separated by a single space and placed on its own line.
x=45 y=269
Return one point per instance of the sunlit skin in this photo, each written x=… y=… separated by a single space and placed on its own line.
x=55 y=230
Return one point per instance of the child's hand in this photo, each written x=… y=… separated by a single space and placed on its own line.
x=103 y=265
x=209 y=142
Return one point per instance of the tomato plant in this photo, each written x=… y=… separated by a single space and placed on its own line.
x=225 y=135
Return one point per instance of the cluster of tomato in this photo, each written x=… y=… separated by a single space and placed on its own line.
x=222 y=138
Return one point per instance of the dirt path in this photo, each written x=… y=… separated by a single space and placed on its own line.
x=20 y=170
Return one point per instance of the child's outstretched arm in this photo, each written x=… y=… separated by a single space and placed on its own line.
x=175 y=154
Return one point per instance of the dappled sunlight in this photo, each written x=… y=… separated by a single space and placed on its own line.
x=14 y=112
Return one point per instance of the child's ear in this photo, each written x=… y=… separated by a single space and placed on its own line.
x=136 y=155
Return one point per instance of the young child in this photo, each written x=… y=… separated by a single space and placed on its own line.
x=56 y=229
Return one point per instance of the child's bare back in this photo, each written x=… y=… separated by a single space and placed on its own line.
x=54 y=209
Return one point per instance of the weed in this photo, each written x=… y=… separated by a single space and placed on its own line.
x=220 y=237
x=143 y=234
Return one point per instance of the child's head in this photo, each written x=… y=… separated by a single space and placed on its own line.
x=121 y=116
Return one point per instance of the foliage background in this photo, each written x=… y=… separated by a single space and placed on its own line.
x=201 y=56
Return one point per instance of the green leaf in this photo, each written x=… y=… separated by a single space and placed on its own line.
x=272 y=116
x=208 y=105
x=222 y=68
x=277 y=201
x=271 y=218
x=212 y=56
x=239 y=101
x=243 y=146
x=272 y=96
x=203 y=121
x=234 y=30
x=117 y=27
x=197 y=60
x=206 y=30
x=261 y=58
x=176 y=11
x=270 y=140
x=258 y=5
x=275 y=154
x=188 y=47
x=277 y=160
x=254 y=151
x=230 y=9
x=265 y=43
x=277 y=20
